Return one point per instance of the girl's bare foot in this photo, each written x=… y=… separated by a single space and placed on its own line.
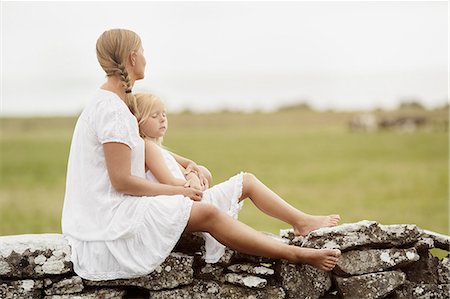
x=323 y=259
x=310 y=223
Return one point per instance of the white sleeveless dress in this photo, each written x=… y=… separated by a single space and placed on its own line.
x=113 y=235
x=225 y=196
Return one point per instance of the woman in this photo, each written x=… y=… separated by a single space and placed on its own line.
x=119 y=224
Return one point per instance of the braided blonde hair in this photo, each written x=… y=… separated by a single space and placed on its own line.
x=113 y=48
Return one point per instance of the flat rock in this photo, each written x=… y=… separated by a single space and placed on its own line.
x=92 y=294
x=356 y=262
x=251 y=269
x=440 y=241
x=33 y=256
x=303 y=281
x=422 y=291
x=175 y=271
x=69 y=285
x=26 y=288
x=363 y=233
x=370 y=286
x=214 y=290
x=248 y=281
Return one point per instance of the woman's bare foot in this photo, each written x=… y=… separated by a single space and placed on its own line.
x=310 y=223
x=323 y=259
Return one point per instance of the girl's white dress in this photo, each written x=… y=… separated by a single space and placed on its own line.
x=114 y=235
x=225 y=196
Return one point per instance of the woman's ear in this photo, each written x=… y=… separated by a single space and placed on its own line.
x=133 y=56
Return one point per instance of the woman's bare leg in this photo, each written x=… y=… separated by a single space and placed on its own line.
x=273 y=205
x=236 y=235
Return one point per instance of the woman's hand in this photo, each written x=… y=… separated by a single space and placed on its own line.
x=192 y=193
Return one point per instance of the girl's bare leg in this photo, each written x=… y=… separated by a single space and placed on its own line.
x=273 y=205
x=236 y=235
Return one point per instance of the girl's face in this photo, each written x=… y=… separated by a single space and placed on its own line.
x=155 y=125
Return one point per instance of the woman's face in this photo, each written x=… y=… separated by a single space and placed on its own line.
x=139 y=64
x=155 y=126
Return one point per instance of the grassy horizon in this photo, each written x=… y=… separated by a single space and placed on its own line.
x=309 y=158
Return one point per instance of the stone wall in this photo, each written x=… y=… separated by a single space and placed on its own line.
x=378 y=261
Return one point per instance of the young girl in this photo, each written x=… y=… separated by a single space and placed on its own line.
x=168 y=168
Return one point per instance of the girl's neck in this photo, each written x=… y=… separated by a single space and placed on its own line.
x=114 y=84
x=154 y=140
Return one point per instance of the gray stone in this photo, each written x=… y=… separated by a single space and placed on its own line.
x=422 y=291
x=197 y=290
x=92 y=294
x=175 y=271
x=288 y=236
x=248 y=281
x=440 y=241
x=69 y=285
x=356 y=262
x=32 y=256
x=425 y=270
x=424 y=244
x=227 y=257
x=234 y=292
x=444 y=271
x=214 y=290
x=251 y=269
x=16 y=289
x=303 y=281
x=370 y=286
x=210 y=272
x=363 y=233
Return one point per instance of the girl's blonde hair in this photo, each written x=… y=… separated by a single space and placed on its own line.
x=141 y=107
x=113 y=49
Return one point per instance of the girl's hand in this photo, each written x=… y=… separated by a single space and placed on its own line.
x=192 y=167
x=193 y=181
x=192 y=193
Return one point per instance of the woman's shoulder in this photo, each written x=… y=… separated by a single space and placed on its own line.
x=105 y=103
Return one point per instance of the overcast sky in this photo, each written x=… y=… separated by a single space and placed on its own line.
x=237 y=55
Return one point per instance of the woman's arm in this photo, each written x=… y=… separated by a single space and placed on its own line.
x=118 y=163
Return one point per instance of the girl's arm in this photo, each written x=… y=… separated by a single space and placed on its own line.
x=190 y=166
x=118 y=163
x=155 y=162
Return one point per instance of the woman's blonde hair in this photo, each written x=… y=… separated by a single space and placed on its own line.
x=113 y=49
x=142 y=107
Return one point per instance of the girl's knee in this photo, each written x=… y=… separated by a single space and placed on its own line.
x=248 y=181
x=206 y=173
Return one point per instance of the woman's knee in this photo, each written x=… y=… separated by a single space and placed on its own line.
x=203 y=215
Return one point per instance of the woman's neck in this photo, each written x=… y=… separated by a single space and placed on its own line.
x=114 y=84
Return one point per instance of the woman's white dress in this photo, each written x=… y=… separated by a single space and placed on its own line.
x=113 y=235
x=225 y=196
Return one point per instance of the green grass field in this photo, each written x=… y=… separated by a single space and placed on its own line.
x=309 y=158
